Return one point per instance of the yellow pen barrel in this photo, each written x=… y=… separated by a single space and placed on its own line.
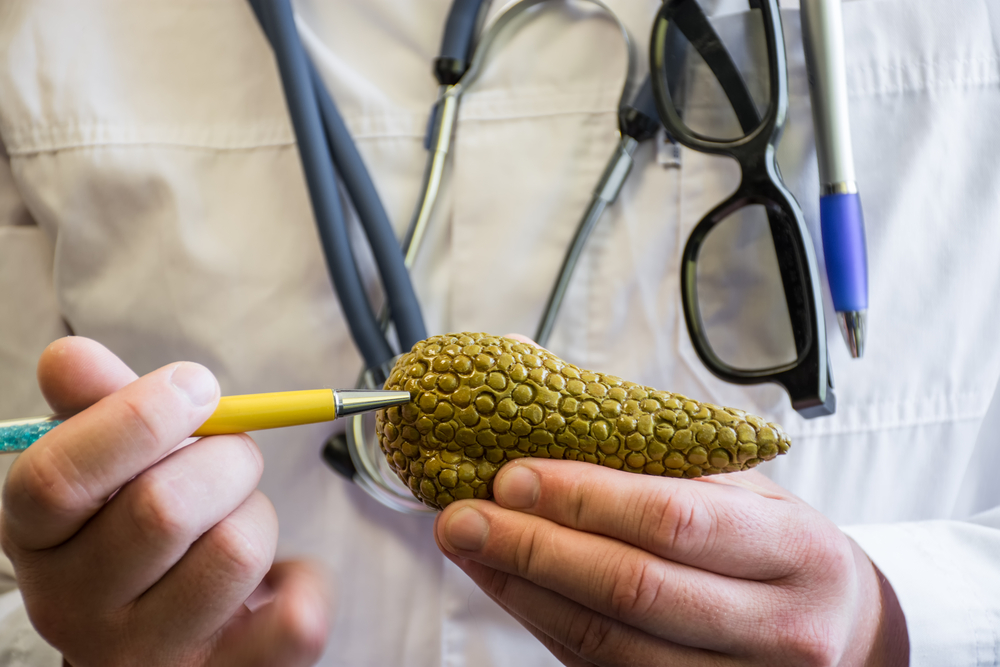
x=256 y=412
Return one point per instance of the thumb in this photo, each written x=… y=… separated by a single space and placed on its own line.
x=288 y=629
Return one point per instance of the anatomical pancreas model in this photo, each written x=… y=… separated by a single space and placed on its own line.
x=481 y=400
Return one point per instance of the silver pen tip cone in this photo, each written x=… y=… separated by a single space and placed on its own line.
x=355 y=401
x=853 y=324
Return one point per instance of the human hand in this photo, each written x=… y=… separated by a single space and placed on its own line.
x=611 y=568
x=131 y=549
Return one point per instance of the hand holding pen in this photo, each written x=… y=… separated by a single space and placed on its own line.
x=841 y=219
x=130 y=549
x=238 y=414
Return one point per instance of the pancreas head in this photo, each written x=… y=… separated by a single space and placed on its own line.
x=480 y=401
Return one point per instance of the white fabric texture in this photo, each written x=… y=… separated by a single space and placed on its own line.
x=152 y=199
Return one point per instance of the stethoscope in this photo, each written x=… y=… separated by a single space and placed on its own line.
x=328 y=152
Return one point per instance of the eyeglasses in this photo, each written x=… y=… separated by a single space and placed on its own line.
x=753 y=248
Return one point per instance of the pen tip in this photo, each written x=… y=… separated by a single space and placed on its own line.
x=355 y=401
x=853 y=326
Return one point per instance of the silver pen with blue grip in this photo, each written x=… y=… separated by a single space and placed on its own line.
x=841 y=219
x=239 y=414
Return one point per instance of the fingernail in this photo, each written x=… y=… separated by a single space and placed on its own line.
x=517 y=488
x=466 y=530
x=196 y=382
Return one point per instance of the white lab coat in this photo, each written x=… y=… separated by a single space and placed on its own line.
x=152 y=198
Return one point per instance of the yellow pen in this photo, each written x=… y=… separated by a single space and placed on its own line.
x=238 y=414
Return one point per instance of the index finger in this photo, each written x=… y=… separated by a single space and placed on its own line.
x=62 y=480
x=723 y=528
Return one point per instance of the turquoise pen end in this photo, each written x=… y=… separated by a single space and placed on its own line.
x=18 y=435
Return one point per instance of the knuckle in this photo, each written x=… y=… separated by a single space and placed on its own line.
x=527 y=550
x=639 y=589
x=156 y=508
x=140 y=422
x=497 y=584
x=590 y=634
x=824 y=549
x=46 y=483
x=811 y=641
x=681 y=525
x=578 y=505
x=239 y=552
x=837 y=556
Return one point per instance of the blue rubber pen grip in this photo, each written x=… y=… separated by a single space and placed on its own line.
x=460 y=32
x=845 y=250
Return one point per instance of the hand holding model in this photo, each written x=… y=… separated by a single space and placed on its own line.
x=610 y=568
x=130 y=548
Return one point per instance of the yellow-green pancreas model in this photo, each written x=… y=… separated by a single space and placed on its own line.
x=480 y=401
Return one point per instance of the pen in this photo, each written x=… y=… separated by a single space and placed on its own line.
x=238 y=414
x=841 y=219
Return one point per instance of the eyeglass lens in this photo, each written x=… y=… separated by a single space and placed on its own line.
x=717 y=67
x=740 y=293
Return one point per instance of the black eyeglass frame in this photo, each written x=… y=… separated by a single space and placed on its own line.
x=807 y=379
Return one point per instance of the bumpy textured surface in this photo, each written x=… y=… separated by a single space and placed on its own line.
x=481 y=400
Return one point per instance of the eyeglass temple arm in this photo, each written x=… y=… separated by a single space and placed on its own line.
x=690 y=19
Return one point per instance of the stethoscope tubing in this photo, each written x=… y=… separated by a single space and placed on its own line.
x=314 y=115
x=400 y=295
